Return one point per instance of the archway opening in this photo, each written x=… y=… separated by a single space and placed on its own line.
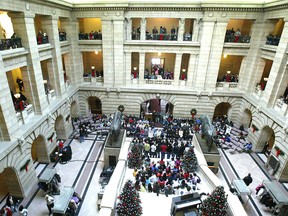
x=159 y=106
x=247 y=118
x=73 y=109
x=266 y=140
x=9 y=183
x=60 y=128
x=95 y=105
x=39 y=151
x=222 y=109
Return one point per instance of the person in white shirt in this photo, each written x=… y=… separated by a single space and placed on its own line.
x=22 y=211
x=153 y=150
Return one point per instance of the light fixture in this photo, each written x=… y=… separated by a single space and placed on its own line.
x=183 y=70
x=44 y=81
x=92 y=67
x=96 y=52
x=225 y=55
x=159 y=53
x=265 y=79
x=17 y=95
x=134 y=68
x=228 y=72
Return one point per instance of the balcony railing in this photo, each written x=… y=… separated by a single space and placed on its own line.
x=11 y=43
x=88 y=36
x=281 y=106
x=93 y=79
x=226 y=85
x=166 y=37
x=159 y=82
x=237 y=39
x=42 y=39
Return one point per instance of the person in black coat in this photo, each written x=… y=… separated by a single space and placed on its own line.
x=248 y=179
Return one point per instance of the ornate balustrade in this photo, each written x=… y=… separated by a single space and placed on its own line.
x=226 y=86
x=159 y=82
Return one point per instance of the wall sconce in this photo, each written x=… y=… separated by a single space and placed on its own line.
x=134 y=68
x=44 y=81
x=96 y=52
x=92 y=67
x=228 y=72
x=158 y=96
x=225 y=56
x=159 y=53
x=265 y=79
x=183 y=70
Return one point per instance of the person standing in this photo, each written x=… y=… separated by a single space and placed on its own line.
x=248 y=179
x=50 y=203
x=20 y=83
x=22 y=211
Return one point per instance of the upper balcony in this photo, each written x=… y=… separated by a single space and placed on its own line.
x=238 y=31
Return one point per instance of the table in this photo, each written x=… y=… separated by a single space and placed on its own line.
x=277 y=191
x=47 y=175
x=62 y=201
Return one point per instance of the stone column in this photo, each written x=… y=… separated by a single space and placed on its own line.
x=55 y=67
x=277 y=80
x=74 y=71
x=128 y=29
x=119 y=75
x=252 y=67
x=8 y=120
x=204 y=54
x=214 y=58
x=177 y=68
x=181 y=29
x=32 y=74
x=128 y=68
x=196 y=27
x=191 y=70
x=108 y=54
x=141 y=68
x=143 y=29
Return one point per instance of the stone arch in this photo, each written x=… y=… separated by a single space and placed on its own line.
x=9 y=183
x=163 y=100
x=74 y=109
x=247 y=118
x=60 y=128
x=221 y=109
x=94 y=104
x=39 y=150
x=83 y=100
x=267 y=134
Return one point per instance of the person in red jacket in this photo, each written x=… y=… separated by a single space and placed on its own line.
x=163 y=150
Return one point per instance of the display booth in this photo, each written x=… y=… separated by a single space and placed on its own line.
x=48 y=181
x=279 y=195
x=241 y=188
x=62 y=201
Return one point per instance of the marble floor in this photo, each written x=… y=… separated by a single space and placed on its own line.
x=84 y=169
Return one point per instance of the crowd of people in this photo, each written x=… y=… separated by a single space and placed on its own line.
x=236 y=36
x=93 y=35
